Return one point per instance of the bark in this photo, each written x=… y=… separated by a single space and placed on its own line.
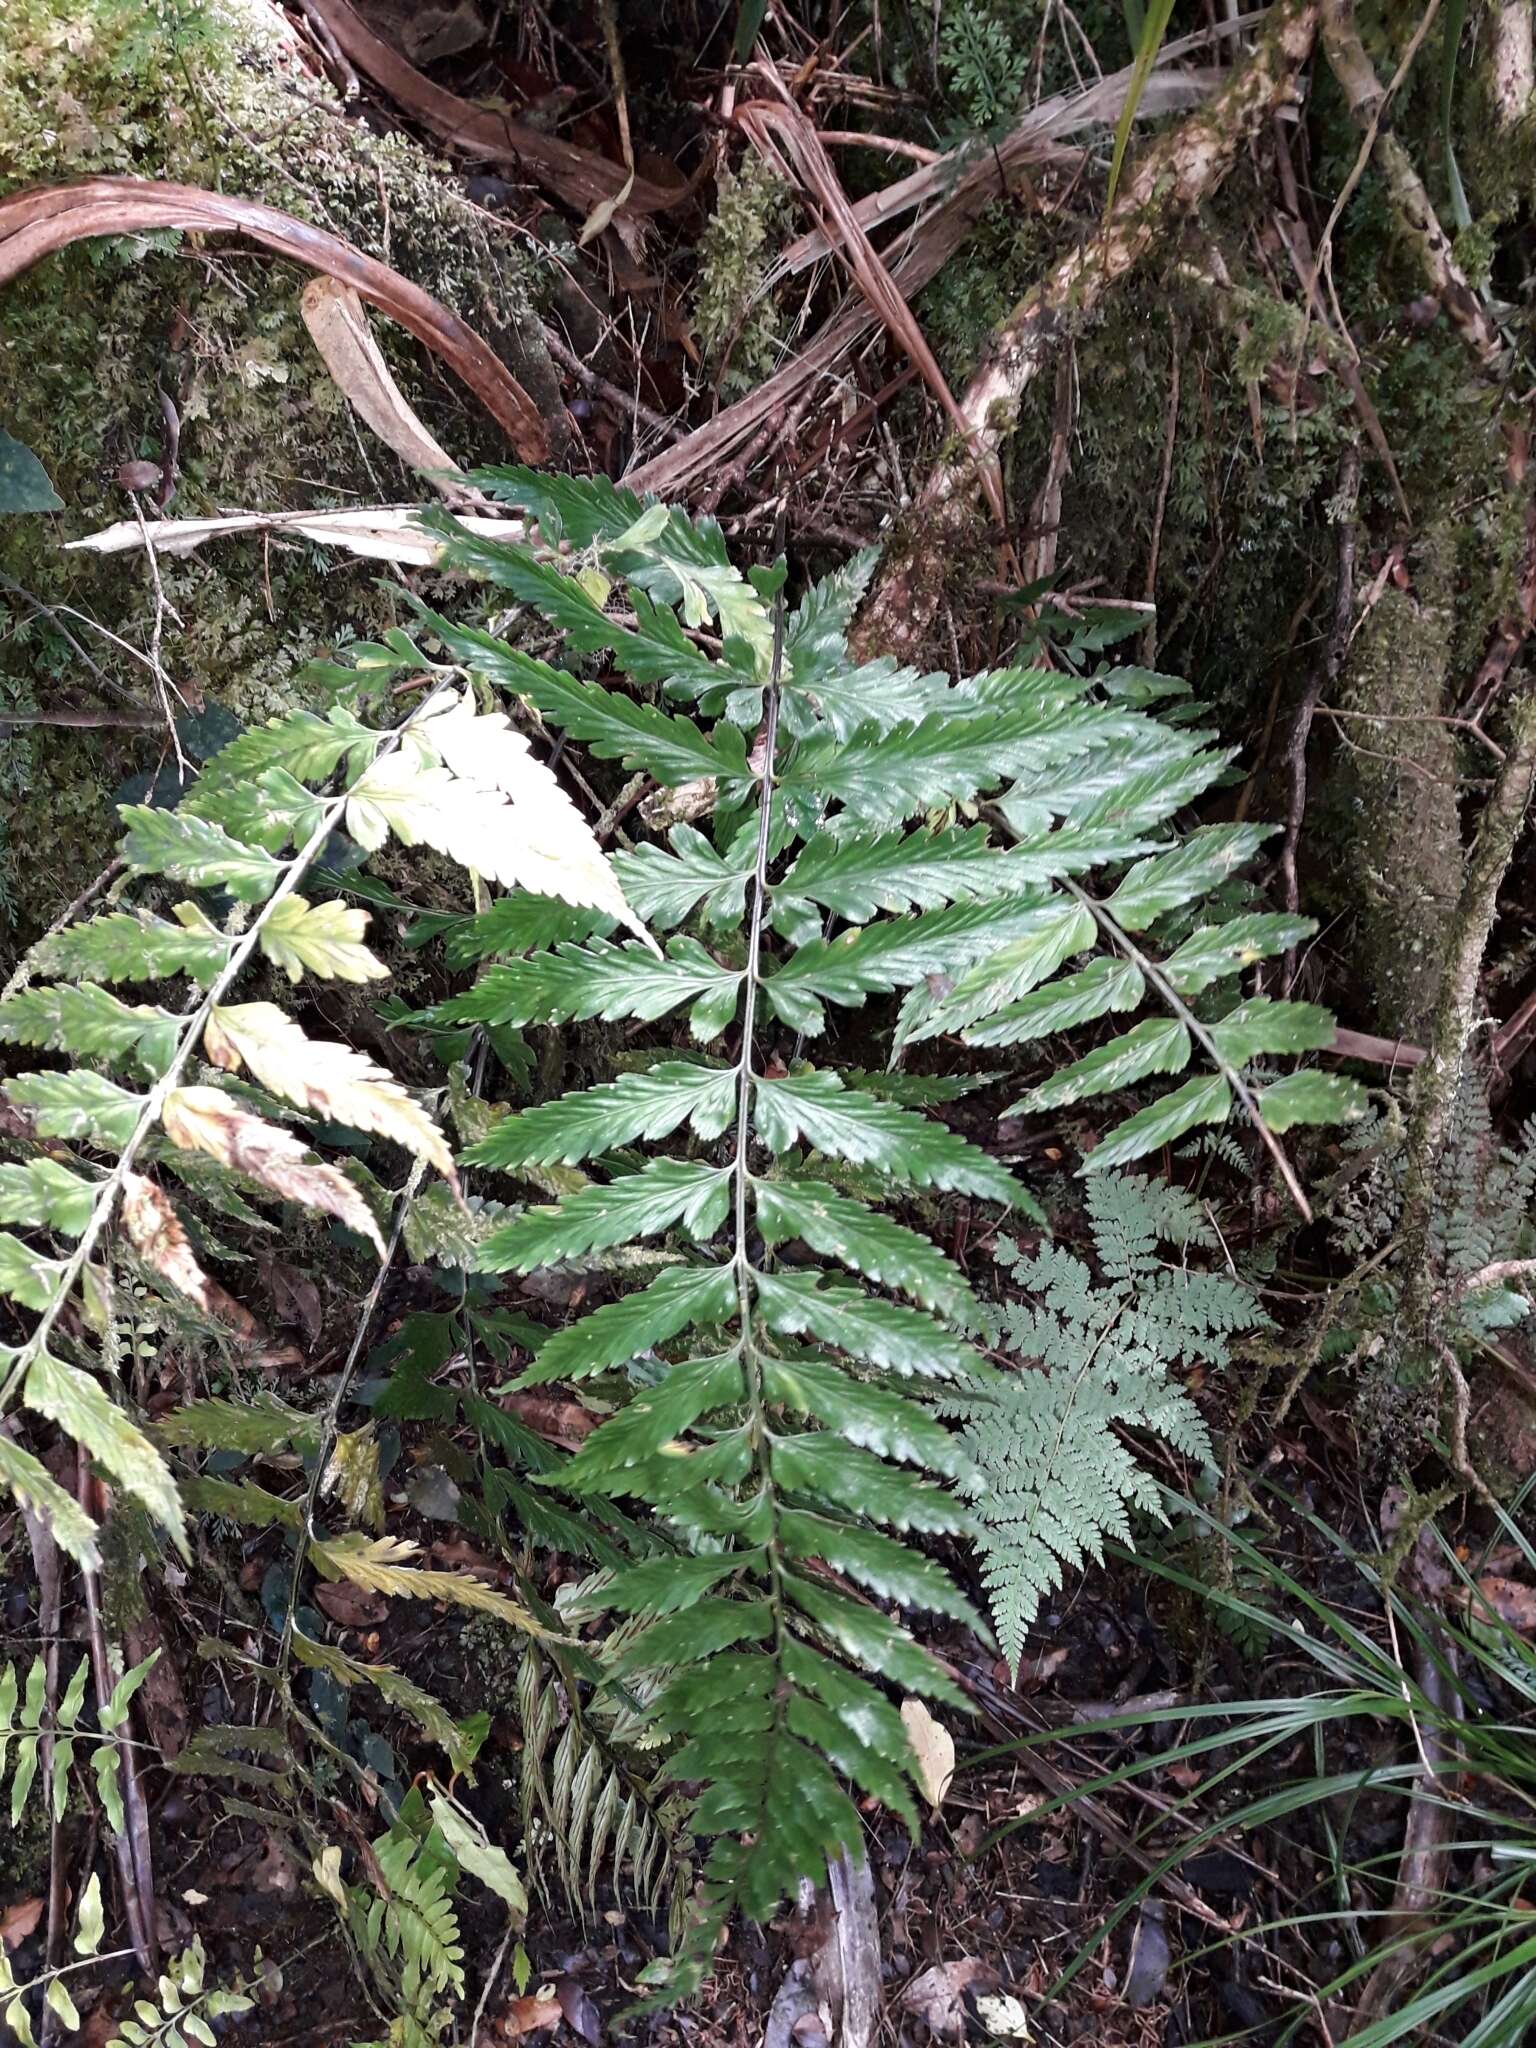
x=1438 y=1078
x=1174 y=175
x=1512 y=62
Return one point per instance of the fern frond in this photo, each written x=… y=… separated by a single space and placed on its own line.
x=228 y=834
x=1056 y=1475
x=604 y=980
x=380 y=1564
x=666 y=888
x=88 y=1021
x=785 y=1423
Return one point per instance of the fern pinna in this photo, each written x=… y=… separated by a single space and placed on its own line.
x=1054 y=1475
x=871 y=833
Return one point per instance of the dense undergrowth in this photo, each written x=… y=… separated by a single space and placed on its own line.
x=616 y=1225
x=771 y=1418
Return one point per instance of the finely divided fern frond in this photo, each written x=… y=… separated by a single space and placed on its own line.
x=1094 y=1354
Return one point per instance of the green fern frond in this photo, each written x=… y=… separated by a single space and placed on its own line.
x=781 y=1380
x=1095 y=1360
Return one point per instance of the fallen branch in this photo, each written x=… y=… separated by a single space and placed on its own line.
x=382 y=533
x=1175 y=174
x=46 y=218
x=1384 y=1052
x=1352 y=67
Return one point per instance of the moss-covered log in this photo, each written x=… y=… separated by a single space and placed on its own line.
x=117 y=349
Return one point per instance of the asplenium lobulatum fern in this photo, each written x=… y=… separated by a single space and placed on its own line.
x=846 y=860
x=1095 y=1346
x=771 y=1425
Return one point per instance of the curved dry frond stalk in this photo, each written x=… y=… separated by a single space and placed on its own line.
x=44 y=219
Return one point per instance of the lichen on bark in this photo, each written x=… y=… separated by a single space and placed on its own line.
x=1398 y=767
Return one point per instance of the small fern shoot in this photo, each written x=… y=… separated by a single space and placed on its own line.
x=1054 y=1474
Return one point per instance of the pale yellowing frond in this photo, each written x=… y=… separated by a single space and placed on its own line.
x=316 y=1074
x=205 y=1120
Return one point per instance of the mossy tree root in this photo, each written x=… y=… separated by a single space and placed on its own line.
x=1437 y=1079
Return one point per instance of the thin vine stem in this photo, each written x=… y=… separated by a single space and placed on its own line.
x=327 y=1437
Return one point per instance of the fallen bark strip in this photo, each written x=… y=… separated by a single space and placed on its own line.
x=973 y=166
x=381 y=533
x=339 y=328
x=786 y=139
x=578 y=176
x=1173 y=176
x=43 y=219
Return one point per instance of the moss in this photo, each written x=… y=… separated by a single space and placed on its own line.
x=737 y=327
x=1399 y=768
x=207 y=92
x=24 y=1858
x=980 y=285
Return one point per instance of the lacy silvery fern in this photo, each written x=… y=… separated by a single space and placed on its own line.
x=771 y=1422
x=1054 y=1475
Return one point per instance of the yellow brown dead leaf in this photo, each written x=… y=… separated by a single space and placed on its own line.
x=206 y=1120
x=315 y=1074
x=469 y=784
x=155 y=1232
x=934 y=1748
x=1511 y=1600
